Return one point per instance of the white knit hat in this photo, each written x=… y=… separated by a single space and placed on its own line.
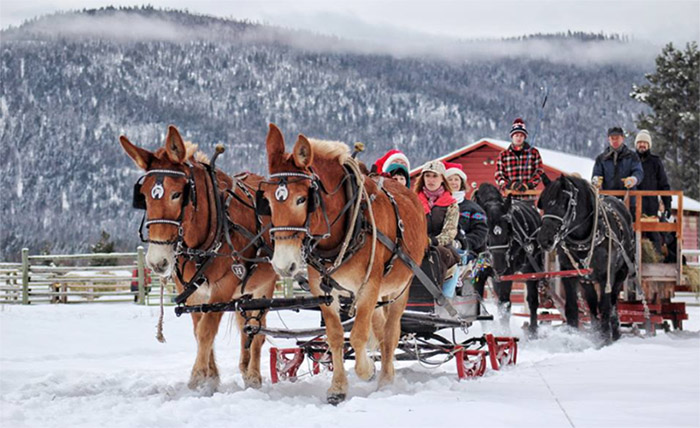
x=643 y=135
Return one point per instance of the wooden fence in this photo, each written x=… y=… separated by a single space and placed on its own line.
x=69 y=278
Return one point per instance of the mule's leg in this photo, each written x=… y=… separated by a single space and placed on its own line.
x=379 y=317
x=503 y=289
x=244 y=359
x=571 y=305
x=620 y=278
x=336 y=340
x=605 y=316
x=364 y=366
x=392 y=335
x=591 y=294
x=533 y=302
x=252 y=377
x=204 y=371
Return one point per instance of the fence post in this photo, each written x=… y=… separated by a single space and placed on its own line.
x=288 y=284
x=140 y=261
x=25 y=276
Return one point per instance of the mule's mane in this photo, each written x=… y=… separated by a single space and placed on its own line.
x=192 y=153
x=557 y=186
x=487 y=192
x=330 y=150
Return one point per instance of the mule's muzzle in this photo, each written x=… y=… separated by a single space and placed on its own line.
x=289 y=271
x=161 y=267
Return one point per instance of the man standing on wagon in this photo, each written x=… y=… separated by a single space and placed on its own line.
x=519 y=167
x=618 y=167
x=654 y=179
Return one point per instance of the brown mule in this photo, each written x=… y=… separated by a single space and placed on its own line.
x=178 y=194
x=293 y=200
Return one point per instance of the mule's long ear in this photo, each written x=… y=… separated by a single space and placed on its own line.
x=141 y=157
x=275 y=147
x=507 y=203
x=174 y=146
x=303 y=154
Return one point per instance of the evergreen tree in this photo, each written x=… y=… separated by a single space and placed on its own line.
x=104 y=245
x=674 y=97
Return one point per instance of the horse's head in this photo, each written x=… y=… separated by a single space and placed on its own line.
x=556 y=204
x=292 y=195
x=164 y=192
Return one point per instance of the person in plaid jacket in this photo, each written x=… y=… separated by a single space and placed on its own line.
x=519 y=167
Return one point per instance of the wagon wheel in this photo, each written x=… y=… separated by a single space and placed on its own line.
x=502 y=351
x=470 y=368
x=284 y=363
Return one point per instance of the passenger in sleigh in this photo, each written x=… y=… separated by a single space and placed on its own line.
x=442 y=212
x=394 y=164
x=472 y=230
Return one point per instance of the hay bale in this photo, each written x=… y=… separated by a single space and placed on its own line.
x=693 y=278
x=649 y=254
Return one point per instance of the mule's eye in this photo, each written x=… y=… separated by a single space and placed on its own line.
x=301 y=200
x=176 y=195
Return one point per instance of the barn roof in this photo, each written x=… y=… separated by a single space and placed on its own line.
x=556 y=160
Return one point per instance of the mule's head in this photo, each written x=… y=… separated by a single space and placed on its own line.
x=500 y=231
x=291 y=195
x=553 y=202
x=164 y=192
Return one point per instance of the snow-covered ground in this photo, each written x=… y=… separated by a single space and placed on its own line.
x=100 y=366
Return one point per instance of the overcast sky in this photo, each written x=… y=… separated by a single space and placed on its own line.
x=655 y=21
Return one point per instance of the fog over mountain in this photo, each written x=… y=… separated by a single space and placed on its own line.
x=71 y=83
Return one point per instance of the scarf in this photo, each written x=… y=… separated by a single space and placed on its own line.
x=439 y=198
x=459 y=196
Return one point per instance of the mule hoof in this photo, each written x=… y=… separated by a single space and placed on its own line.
x=367 y=377
x=252 y=382
x=206 y=386
x=385 y=380
x=335 y=398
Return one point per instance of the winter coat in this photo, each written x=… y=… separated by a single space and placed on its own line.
x=654 y=179
x=472 y=227
x=614 y=168
x=443 y=218
x=524 y=165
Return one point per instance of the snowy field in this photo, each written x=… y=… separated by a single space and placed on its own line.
x=100 y=366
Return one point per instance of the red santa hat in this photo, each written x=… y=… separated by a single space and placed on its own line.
x=455 y=168
x=392 y=156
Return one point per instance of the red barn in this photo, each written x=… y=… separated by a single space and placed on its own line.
x=479 y=163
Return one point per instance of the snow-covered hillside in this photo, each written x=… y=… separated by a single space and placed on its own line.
x=66 y=96
x=100 y=366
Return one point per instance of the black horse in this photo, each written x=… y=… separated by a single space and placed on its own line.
x=513 y=225
x=589 y=232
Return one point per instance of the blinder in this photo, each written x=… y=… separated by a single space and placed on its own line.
x=262 y=205
x=188 y=193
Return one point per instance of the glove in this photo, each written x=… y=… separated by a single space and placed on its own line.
x=597 y=181
x=629 y=182
x=531 y=186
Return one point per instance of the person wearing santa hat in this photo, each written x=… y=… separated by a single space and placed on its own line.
x=471 y=237
x=391 y=157
x=519 y=167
